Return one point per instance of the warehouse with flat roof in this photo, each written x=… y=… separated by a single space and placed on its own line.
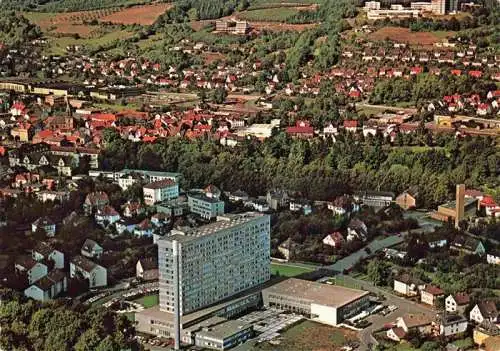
x=324 y=303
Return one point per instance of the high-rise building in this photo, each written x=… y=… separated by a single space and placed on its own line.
x=438 y=7
x=460 y=204
x=213 y=262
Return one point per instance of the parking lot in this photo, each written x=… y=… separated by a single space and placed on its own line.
x=269 y=322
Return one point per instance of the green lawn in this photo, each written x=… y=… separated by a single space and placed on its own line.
x=148 y=300
x=269 y=15
x=288 y=270
x=130 y=316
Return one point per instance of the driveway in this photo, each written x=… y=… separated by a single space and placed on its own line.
x=404 y=306
x=376 y=245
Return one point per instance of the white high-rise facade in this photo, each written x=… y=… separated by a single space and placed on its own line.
x=215 y=261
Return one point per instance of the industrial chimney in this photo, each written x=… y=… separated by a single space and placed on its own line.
x=460 y=204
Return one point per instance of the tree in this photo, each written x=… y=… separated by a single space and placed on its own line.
x=219 y=95
x=88 y=341
x=108 y=344
x=378 y=272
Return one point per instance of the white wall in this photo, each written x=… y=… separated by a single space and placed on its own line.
x=326 y=314
x=36 y=293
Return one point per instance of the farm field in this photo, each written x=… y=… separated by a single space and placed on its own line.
x=288 y=270
x=404 y=35
x=143 y=15
x=309 y=336
x=269 y=15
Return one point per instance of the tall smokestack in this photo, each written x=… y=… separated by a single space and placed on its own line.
x=177 y=312
x=460 y=204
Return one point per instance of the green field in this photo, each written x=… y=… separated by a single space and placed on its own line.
x=288 y=270
x=269 y=15
x=148 y=300
x=57 y=46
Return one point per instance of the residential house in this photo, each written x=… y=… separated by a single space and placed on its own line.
x=147 y=269
x=277 y=199
x=297 y=205
x=94 y=201
x=408 y=198
x=450 y=324
x=48 y=287
x=491 y=344
x=356 y=229
x=374 y=198
x=302 y=130
x=430 y=294
x=132 y=209
x=94 y=273
x=351 y=126
x=259 y=205
x=406 y=285
x=493 y=257
x=457 y=303
x=238 y=195
x=161 y=190
x=44 y=252
x=341 y=205
x=29 y=268
x=483 y=331
x=145 y=228
x=436 y=240
x=45 y=224
x=286 y=248
x=335 y=240
x=468 y=245
x=91 y=249
x=107 y=215
x=484 y=311
x=420 y=322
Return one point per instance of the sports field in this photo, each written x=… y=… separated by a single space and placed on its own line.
x=148 y=300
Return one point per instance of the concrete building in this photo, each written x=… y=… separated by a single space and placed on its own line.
x=372 y=5
x=438 y=7
x=374 y=198
x=96 y=275
x=45 y=224
x=215 y=261
x=44 y=252
x=161 y=190
x=48 y=287
x=324 y=303
x=29 y=268
x=205 y=204
x=386 y=13
x=126 y=177
x=223 y=336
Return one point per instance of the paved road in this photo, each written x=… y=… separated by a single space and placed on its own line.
x=377 y=320
x=349 y=261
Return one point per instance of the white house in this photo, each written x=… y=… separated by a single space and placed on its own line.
x=32 y=269
x=162 y=190
x=334 y=240
x=91 y=249
x=430 y=294
x=484 y=310
x=493 y=257
x=407 y=286
x=147 y=269
x=457 y=303
x=48 y=287
x=96 y=275
x=46 y=224
x=419 y=321
x=451 y=324
x=44 y=252
x=107 y=215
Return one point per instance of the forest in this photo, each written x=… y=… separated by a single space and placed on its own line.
x=317 y=169
x=30 y=325
x=16 y=29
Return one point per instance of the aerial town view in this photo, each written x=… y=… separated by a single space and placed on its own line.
x=268 y=175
